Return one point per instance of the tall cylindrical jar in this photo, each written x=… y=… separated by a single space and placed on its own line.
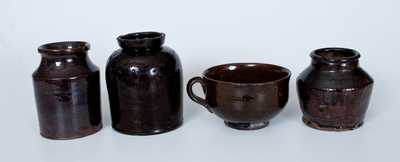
x=144 y=82
x=67 y=91
x=334 y=91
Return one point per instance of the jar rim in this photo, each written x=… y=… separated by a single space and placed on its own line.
x=335 y=54
x=138 y=36
x=64 y=47
x=141 y=40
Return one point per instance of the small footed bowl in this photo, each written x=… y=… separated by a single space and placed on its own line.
x=245 y=95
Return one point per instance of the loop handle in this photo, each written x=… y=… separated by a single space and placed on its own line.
x=194 y=97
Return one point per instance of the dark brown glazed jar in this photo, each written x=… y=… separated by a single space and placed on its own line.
x=144 y=82
x=334 y=91
x=67 y=91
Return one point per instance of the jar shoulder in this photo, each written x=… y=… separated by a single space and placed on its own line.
x=315 y=78
x=164 y=60
x=64 y=69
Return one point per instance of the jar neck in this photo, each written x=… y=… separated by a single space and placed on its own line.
x=335 y=66
x=341 y=59
x=64 y=53
x=72 y=56
x=67 y=49
x=141 y=42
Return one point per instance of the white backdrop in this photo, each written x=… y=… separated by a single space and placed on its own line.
x=205 y=33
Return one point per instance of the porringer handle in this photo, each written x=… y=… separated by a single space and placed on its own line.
x=194 y=97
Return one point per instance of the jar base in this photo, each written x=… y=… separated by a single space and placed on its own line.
x=149 y=132
x=247 y=126
x=317 y=126
x=87 y=133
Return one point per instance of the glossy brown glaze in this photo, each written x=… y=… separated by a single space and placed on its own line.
x=334 y=91
x=144 y=82
x=67 y=91
x=245 y=95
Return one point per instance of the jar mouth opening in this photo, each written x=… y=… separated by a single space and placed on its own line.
x=335 y=54
x=140 y=36
x=64 y=47
x=141 y=40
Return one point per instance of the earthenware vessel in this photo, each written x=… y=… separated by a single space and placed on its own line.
x=334 y=91
x=67 y=91
x=144 y=82
x=245 y=95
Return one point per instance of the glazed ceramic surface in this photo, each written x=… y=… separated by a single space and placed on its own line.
x=67 y=91
x=144 y=82
x=334 y=91
x=245 y=95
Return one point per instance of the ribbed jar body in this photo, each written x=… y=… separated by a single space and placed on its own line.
x=67 y=91
x=144 y=82
x=334 y=91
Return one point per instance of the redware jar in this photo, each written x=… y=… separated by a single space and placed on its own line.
x=144 y=82
x=334 y=91
x=67 y=91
